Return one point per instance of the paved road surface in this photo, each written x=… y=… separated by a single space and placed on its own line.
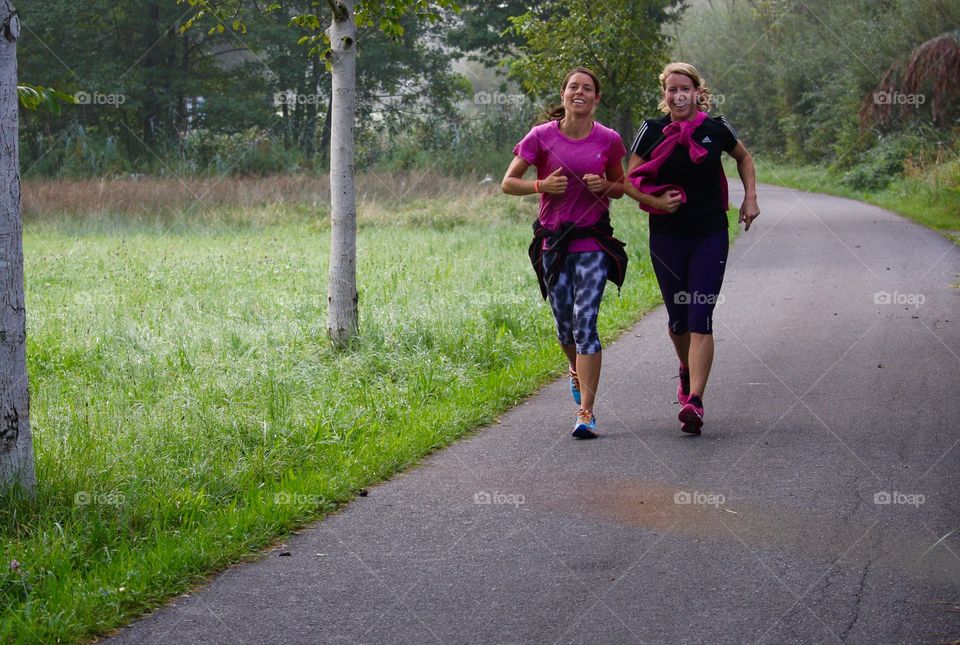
x=835 y=388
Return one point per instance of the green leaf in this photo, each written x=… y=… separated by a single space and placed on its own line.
x=33 y=97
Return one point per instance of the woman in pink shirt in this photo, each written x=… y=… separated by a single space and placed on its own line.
x=579 y=168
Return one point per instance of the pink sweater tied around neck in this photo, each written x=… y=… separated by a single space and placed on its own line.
x=644 y=176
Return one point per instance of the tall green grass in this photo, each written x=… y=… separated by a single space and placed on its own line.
x=930 y=198
x=187 y=408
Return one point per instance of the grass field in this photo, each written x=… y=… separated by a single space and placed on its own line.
x=931 y=197
x=188 y=410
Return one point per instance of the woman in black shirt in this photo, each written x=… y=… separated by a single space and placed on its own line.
x=675 y=173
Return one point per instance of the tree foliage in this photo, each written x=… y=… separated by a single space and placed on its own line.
x=623 y=41
x=140 y=85
x=792 y=76
x=313 y=15
x=161 y=99
x=35 y=97
x=485 y=31
x=931 y=73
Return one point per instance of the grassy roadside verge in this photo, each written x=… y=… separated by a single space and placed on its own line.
x=932 y=200
x=187 y=409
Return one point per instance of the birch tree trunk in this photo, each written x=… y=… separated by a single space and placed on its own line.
x=342 y=286
x=16 y=449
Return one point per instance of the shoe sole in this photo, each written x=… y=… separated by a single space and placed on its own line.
x=689 y=429
x=690 y=421
x=583 y=432
x=575 y=394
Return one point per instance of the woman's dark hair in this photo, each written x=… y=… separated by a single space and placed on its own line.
x=553 y=112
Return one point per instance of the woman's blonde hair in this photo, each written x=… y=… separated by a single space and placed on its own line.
x=688 y=70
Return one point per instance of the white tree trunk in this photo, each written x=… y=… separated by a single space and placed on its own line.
x=342 y=287
x=16 y=449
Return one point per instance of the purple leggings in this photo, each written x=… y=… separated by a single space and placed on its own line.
x=690 y=272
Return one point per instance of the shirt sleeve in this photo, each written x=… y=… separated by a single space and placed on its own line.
x=617 y=150
x=529 y=148
x=729 y=138
x=645 y=141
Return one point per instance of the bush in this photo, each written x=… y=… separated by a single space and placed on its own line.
x=82 y=153
x=477 y=144
x=880 y=165
x=251 y=152
x=75 y=152
x=474 y=142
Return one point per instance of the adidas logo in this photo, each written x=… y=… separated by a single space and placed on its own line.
x=706 y=140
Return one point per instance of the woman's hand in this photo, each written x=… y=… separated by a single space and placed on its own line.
x=595 y=183
x=668 y=201
x=555 y=183
x=749 y=210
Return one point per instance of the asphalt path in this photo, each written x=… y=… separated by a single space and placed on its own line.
x=821 y=504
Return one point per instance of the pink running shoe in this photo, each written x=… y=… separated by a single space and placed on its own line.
x=691 y=415
x=683 y=387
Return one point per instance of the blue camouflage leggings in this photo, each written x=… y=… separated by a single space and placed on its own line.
x=575 y=298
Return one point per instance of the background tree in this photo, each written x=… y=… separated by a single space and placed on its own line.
x=931 y=71
x=16 y=448
x=135 y=106
x=793 y=77
x=339 y=31
x=253 y=102
x=405 y=87
x=623 y=41
x=485 y=30
x=342 y=296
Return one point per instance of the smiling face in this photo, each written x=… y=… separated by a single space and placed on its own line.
x=681 y=96
x=580 y=95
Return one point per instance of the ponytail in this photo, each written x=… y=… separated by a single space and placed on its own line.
x=551 y=112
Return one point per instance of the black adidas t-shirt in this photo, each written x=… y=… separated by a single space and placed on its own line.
x=704 y=211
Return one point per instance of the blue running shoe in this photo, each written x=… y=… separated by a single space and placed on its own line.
x=585 y=426
x=575 y=387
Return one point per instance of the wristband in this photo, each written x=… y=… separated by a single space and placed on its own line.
x=536 y=186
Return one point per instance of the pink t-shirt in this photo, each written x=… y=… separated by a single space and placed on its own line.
x=546 y=148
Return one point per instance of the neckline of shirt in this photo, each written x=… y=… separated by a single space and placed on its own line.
x=593 y=129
